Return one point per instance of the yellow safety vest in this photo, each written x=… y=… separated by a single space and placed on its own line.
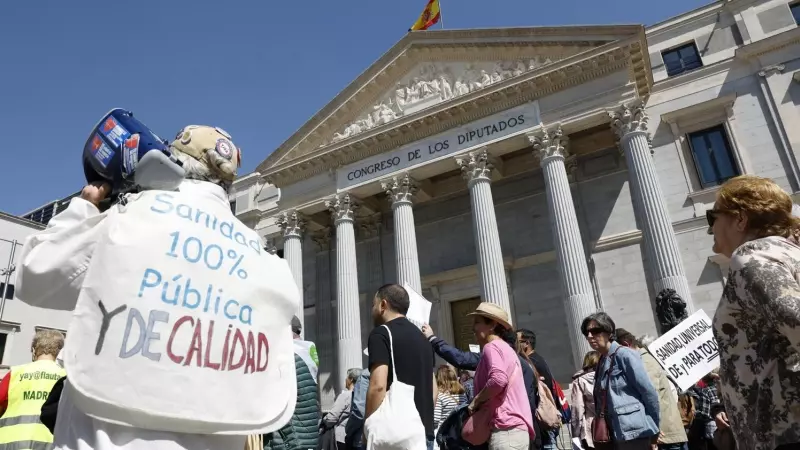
x=29 y=386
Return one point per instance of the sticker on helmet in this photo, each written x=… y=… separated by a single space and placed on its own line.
x=115 y=132
x=225 y=148
x=185 y=136
x=130 y=154
x=101 y=151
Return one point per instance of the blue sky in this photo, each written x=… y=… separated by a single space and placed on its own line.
x=258 y=69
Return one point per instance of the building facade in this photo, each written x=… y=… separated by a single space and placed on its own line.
x=19 y=321
x=554 y=171
x=44 y=213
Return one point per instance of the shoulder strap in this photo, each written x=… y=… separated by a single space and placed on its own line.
x=391 y=352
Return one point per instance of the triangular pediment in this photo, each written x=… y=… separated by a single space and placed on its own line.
x=428 y=70
x=431 y=83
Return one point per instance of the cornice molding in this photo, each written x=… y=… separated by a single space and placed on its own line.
x=770 y=44
x=703 y=13
x=498 y=97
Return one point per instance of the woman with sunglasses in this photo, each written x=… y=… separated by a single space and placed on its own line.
x=757 y=323
x=624 y=397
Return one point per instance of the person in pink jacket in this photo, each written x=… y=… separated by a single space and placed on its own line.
x=499 y=382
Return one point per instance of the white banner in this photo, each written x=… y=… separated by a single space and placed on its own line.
x=689 y=351
x=181 y=312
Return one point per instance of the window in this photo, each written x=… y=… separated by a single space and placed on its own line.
x=712 y=155
x=795 y=12
x=9 y=293
x=682 y=59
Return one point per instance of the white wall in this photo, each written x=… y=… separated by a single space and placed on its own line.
x=19 y=320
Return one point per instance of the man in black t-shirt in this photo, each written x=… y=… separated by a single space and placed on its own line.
x=412 y=355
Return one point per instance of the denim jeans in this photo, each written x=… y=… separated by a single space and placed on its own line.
x=430 y=444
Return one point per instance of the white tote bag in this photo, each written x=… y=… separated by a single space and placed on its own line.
x=396 y=424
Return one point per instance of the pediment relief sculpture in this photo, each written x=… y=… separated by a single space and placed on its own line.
x=433 y=83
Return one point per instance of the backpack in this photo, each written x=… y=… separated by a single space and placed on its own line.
x=547 y=413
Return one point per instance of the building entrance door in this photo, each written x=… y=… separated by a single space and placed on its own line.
x=462 y=325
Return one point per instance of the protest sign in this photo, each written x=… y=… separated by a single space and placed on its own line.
x=474 y=348
x=419 y=309
x=183 y=314
x=689 y=351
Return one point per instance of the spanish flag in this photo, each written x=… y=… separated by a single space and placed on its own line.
x=429 y=17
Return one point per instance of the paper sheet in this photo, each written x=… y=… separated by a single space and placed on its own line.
x=474 y=348
x=419 y=309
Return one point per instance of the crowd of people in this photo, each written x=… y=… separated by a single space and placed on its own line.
x=621 y=397
x=502 y=397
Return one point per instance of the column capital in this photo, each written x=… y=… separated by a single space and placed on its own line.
x=322 y=238
x=629 y=119
x=292 y=223
x=549 y=143
x=475 y=166
x=400 y=189
x=342 y=207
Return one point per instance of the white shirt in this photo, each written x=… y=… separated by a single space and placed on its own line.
x=77 y=431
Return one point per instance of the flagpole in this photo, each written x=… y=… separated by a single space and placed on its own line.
x=441 y=16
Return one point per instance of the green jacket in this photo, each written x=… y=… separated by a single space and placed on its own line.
x=302 y=432
x=671 y=423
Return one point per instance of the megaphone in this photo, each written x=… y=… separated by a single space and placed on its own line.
x=123 y=152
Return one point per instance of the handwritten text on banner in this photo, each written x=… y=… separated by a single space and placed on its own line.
x=689 y=351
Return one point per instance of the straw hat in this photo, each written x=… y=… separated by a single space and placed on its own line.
x=494 y=312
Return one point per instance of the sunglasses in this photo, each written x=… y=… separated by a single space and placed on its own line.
x=711 y=215
x=594 y=331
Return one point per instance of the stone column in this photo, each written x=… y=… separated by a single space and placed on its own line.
x=293 y=226
x=400 y=190
x=550 y=147
x=348 y=314
x=664 y=258
x=476 y=169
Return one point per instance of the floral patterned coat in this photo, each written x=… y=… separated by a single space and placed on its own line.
x=757 y=327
